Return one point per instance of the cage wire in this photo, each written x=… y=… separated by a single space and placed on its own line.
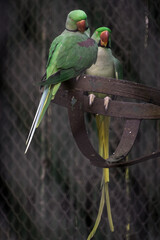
x=53 y=192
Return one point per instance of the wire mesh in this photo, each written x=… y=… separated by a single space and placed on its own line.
x=53 y=192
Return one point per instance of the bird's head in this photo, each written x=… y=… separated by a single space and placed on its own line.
x=77 y=21
x=102 y=36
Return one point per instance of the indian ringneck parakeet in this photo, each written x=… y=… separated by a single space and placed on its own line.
x=106 y=66
x=70 y=54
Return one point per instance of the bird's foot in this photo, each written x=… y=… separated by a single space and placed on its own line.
x=106 y=102
x=91 y=99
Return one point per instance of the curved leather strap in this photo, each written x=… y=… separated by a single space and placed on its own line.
x=77 y=123
x=129 y=135
x=116 y=87
x=71 y=96
x=111 y=86
x=129 y=110
x=81 y=137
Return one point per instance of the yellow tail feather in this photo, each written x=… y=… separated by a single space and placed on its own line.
x=106 y=186
x=98 y=219
x=103 y=136
x=103 y=131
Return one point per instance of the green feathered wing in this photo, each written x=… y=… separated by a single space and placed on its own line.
x=75 y=55
x=70 y=54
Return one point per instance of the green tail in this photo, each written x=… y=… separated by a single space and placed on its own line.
x=50 y=96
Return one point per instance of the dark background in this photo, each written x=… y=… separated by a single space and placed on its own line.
x=53 y=192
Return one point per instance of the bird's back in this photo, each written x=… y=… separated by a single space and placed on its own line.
x=70 y=56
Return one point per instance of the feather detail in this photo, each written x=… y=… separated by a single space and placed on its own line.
x=36 y=118
x=106 y=66
x=67 y=59
x=106 y=187
x=48 y=95
x=98 y=219
x=87 y=43
x=103 y=136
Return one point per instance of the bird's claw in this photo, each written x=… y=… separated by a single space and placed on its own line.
x=77 y=78
x=106 y=102
x=91 y=99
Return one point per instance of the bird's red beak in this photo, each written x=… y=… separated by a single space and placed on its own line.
x=81 y=25
x=104 y=38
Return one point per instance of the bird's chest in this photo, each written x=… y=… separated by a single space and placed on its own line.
x=104 y=66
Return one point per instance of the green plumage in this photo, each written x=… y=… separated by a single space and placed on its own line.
x=106 y=66
x=68 y=58
x=70 y=54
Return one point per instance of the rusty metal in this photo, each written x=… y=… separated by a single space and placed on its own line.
x=72 y=95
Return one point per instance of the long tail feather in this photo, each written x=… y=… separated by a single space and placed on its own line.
x=36 y=118
x=103 y=136
x=37 y=112
x=47 y=96
x=98 y=219
x=106 y=186
x=105 y=121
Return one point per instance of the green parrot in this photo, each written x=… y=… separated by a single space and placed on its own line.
x=106 y=66
x=70 y=54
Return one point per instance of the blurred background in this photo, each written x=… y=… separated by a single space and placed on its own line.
x=53 y=192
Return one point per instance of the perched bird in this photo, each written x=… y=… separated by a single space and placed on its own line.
x=106 y=66
x=70 y=54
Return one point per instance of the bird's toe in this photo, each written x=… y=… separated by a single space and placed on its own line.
x=106 y=102
x=91 y=99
